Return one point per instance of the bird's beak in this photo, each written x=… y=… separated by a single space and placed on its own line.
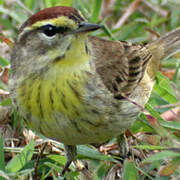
x=87 y=27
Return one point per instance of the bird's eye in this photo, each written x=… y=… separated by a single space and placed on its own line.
x=49 y=30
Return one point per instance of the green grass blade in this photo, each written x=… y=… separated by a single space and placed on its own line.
x=90 y=153
x=64 y=3
x=29 y=4
x=48 y=3
x=108 y=32
x=6 y=102
x=149 y=147
x=163 y=88
x=162 y=156
x=20 y=160
x=129 y=171
x=58 y=158
x=96 y=11
x=167 y=124
x=3 y=62
x=2 y=162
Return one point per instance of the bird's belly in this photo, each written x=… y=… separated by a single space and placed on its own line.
x=89 y=126
x=72 y=114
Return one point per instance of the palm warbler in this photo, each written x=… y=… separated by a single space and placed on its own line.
x=70 y=86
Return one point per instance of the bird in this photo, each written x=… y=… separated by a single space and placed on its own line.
x=72 y=87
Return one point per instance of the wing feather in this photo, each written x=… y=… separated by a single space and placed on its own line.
x=120 y=65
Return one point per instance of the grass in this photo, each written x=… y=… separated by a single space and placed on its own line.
x=154 y=138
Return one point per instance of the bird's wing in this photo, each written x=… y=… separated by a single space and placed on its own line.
x=120 y=65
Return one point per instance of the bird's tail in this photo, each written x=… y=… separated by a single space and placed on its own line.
x=162 y=48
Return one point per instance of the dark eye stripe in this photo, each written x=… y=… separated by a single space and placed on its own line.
x=62 y=29
x=50 y=30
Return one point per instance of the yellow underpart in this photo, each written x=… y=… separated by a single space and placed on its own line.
x=49 y=93
x=76 y=58
x=34 y=97
x=61 y=21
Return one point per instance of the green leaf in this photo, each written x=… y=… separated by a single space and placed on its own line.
x=20 y=160
x=129 y=171
x=96 y=11
x=163 y=88
x=85 y=151
x=171 y=124
x=141 y=125
x=149 y=147
x=161 y=178
x=53 y=166
x=6 y=102
x=57 y=158
x=157 y=100
x=3 y=62
x=167 y=124
x=162 y=155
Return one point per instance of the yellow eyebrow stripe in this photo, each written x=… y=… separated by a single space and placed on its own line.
x=60 y=21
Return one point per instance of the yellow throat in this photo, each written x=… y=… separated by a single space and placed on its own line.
x=64 y=80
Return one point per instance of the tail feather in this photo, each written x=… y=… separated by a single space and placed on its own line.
x=162 y=48
x=170 y=43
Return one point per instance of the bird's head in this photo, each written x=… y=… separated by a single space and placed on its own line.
x=49 y=34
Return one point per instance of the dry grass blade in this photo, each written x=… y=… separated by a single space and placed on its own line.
x=132 y=7
x=2 y=92
x=85 y=173
x=156 y=8
x=172 y=114
x=24 y=7
x=37 y=162
x=107 y=8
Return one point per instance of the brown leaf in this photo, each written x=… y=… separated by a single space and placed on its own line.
x=5 y=76
x=153 y=121
x=7 y=41
x=168 y=73
x=172 y=114
x=170 y=168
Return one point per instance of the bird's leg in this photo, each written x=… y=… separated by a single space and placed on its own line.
x=71 y=152
x=123 y=145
